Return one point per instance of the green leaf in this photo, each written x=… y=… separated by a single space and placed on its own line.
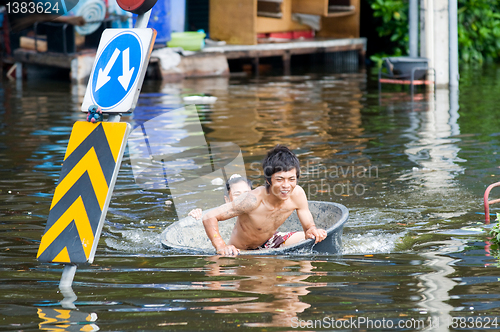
x=478 y=29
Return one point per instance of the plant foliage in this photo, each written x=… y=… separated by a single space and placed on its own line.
x=495 y=231
x=393 y=23
x=478 y=28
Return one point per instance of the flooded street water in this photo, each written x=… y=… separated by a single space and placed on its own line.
x=411 y=173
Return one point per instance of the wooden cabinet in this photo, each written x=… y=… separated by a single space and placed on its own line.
x=339 y=18
x=239 y=21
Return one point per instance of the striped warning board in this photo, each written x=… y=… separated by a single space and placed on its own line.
x=82 y=196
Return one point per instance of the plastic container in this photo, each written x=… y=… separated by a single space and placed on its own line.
x=403 y=66
x=189 y=41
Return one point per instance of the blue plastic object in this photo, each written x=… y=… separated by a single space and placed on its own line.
x=160 y=21
x=178 y=15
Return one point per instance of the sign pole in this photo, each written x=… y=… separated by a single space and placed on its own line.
x=115 y=117
x=67 y=276
x=95 y=150
x=142 y=20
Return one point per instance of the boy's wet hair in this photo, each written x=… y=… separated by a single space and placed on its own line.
x=236 y=178
x=279 y=159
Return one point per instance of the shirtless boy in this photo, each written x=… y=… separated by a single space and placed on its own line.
x=261 y=211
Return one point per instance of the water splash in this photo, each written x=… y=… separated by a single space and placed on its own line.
x=145 y=241
x=370 y=243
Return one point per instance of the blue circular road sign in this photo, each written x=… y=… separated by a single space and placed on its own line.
x=116 y=70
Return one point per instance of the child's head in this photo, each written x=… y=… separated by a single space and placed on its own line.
x=235 y=186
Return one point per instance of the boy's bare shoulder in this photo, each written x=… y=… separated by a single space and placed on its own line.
x=259 y=192
x=299 y=196
x=299 y=192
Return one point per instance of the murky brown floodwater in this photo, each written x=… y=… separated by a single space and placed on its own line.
x=411 y=174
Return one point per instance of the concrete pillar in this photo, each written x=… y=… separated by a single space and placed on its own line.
x=426 y=29
x=434 y=38
x=454 y=74
x=441 y=43
x=413 y=27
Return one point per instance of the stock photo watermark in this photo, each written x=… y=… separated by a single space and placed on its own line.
x=329 y=177
x=407 y=324
x=170 y=152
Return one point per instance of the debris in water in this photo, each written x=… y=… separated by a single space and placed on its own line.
x=217 y=182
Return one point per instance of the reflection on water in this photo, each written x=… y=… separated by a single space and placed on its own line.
x=281 y=281
x=66 y=320
x=407 y=170
x=432 y=146
x=438 y=284
x=69 y=318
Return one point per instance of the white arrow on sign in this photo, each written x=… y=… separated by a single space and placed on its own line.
x=103 y=77
x=127 y=73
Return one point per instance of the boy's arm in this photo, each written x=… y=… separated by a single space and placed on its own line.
x=241 y=205
x=306 y=219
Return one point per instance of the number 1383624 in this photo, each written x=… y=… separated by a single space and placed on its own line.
x=33 y=7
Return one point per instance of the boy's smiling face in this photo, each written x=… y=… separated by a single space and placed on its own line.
x=283 y=183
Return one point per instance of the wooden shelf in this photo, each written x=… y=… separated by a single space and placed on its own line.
x=325 y=8
x=338 y=11
x=269 y=8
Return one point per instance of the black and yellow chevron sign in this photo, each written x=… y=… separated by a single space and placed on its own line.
x=82 y=196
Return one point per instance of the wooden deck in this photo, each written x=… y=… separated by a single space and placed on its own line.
x=80 y=64
x=292 y=47
x=287 y=49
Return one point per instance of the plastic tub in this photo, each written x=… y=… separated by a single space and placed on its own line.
x=189 y=41
x=188 y=234
x=403 y=66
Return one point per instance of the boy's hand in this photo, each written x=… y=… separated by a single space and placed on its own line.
x=229 y=250
x=196 y=214
x=315 y=233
